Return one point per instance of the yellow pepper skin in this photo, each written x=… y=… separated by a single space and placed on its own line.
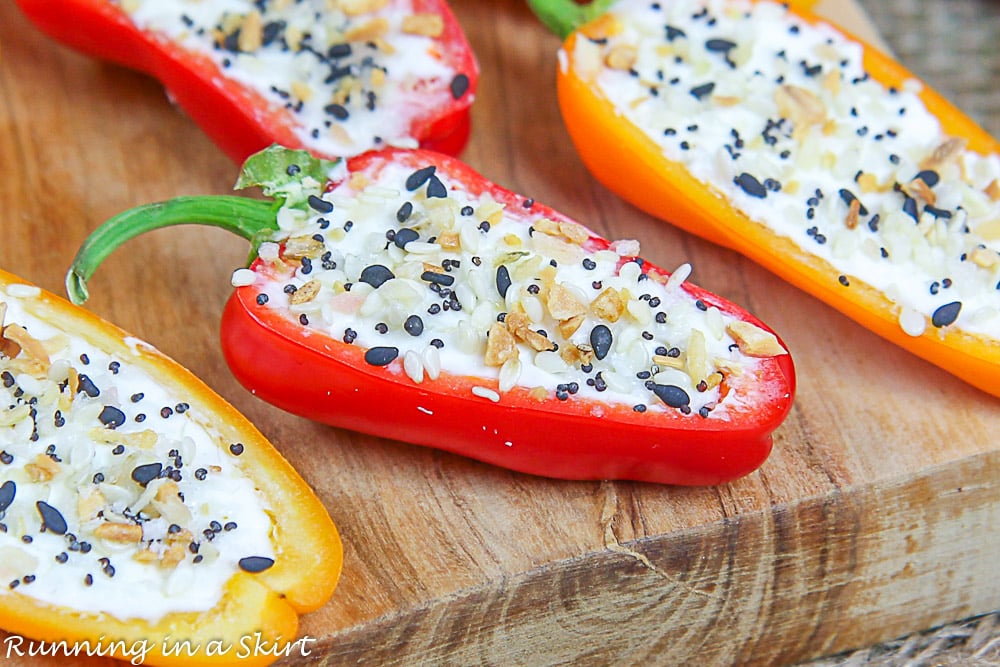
x=256 y=610
x=625 y=160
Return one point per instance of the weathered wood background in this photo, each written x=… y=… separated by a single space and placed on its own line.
x=875 y=516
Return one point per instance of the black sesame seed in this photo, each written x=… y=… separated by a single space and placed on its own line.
x=52 y=519
x=946 y=314
x=166 y=411
x=437 y=278
x=319 y=204
x=414 y=325
x=436 y=189
x=261 y=299
x=404 y=212
x=200 y=474
x=7 y=492
x=404 y=236
x=6 y=457
x=382 y=328
x=118 y=450
x=702 y=91
x=381 y=356
x=62 y=557
x=459 y=85
x=146 y=473
x=720 y=45
x=842 y=279
x=338 y=111
x=236 y=448
x=376 y=274
x=254 y=564
x=750 y=185
x=672 y=395
x=419 y=177
x=849 y=197
x=87 y=386
x=601 y=339
x=136 y=397
x=111 y=417
x=673 y=33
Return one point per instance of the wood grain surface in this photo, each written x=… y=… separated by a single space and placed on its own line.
x=876 y=515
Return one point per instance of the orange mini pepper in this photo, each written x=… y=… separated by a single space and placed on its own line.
x=903 y=237
x=125 y=484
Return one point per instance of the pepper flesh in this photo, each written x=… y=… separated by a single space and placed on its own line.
x=317 y=376
x=623 y=158
x=309 y=550
x=239 y=119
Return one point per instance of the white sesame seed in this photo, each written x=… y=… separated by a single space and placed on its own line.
x=487 y=393
x=510 y=372
x=431 y=359
x=269 y=252
x=679 y=275
x=20 y=290
x=912 y=322
x=243 y=278
x=413 y=366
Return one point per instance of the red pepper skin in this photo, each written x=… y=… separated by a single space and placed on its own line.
x=238 y=120
x=327 y=380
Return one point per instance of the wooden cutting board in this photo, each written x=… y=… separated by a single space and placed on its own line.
x=877 y=514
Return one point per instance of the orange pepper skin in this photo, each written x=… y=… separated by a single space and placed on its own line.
x=302 y=579
x=626 y=161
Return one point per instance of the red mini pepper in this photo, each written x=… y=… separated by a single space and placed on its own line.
x=400 y=70
x=818 y=157
x=332 y=322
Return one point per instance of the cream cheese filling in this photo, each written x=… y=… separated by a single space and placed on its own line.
x=116 y=496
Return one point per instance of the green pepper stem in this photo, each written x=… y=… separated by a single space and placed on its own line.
x=249 y=218
x=564 y=16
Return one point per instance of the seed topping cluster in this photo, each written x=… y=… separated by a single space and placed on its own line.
x=109 y=483
x=429 y=277
x=780 y=117
x=352 y=74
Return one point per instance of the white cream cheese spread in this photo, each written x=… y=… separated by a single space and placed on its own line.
x=352 y=74
x=779 y=116
x=431 y=278
x=116 y=496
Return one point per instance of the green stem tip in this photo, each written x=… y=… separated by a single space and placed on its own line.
x=564 y=16
x=252 y=219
